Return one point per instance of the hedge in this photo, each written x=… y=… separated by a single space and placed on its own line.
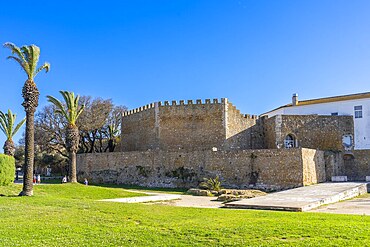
x=7 y=169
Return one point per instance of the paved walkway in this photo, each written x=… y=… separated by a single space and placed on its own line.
x=138 y=199
x=303 y=198
x=171 y=199
x=323 y=193
x=195 y=202
x=359 y=206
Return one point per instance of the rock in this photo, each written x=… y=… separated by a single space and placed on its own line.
x=246 y=193
x=228 y=198
x=225 y=191
x=199 y=192
x=214 y=192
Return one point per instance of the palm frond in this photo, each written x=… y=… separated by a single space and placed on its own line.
x=26 y=53
x=22 y=64
x=2 y=129
x=7 y=121
x=80 y=111
x=3 y=126
x=27 y=57
x=45 y=66
x=15 y=50
x=34 y=58
x=71 y=110
x=11 y=117
x=66 y=97
x=59 y=106
x=63 y=113
x=19 y=125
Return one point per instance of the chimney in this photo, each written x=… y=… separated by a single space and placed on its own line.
x=295 y=99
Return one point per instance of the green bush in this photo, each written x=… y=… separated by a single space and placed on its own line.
x=211 y=184
x=7 y=169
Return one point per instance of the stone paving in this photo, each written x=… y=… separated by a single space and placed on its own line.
x=195 y=202
x=138 y=199
x=303 y=198
x=324 y=193
x=359 y=206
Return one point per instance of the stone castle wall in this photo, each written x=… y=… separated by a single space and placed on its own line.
x=238 y=128
x=191 y=126
x=266 y=169
x=203 y=125
x=358 y=168
x=199 y=125
x=311 y=131
x=172 y=145
x=141 y=121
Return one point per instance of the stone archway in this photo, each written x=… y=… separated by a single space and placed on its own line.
x=290 y=141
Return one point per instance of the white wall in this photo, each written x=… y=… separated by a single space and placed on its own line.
x=361 y=125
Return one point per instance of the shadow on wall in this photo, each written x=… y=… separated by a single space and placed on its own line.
x=251 y=138
x=319 y=164
x=358 y=168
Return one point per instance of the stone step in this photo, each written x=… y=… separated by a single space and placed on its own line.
x=303 y=198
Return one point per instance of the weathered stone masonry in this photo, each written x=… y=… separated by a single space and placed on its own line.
x=177 y=144
x=199 y=125
x=266 y=169
x=311 y=131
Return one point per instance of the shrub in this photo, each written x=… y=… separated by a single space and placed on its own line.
x=7 y=169
x=211 y=184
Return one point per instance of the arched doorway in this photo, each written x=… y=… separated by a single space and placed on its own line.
x=290 y=141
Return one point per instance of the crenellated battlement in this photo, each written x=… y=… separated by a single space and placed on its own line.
x=237 y=111
x=247 y=116
x=175 y=103
x=140 y=109
x=189 y=102
x=186 y=124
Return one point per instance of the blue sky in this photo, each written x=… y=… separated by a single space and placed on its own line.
x=254 y=52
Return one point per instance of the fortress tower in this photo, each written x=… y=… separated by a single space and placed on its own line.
x=199 y=125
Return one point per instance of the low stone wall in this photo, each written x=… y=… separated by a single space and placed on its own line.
x=265 y=169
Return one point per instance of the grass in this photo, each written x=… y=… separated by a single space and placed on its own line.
x=70 y=215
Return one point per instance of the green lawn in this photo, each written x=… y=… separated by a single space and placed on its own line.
x=69 y=215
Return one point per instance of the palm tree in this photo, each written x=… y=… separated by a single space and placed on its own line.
x=7 y=121
x=71 y=111
x=28 y=57
x=112 y=137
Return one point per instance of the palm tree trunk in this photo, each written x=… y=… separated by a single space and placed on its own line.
x=9 y=148
x=72 y=139
x=30 y=95
x=73 y=173
x=29 y=156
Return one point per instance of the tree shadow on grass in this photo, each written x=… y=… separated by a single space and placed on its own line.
x=2 y=195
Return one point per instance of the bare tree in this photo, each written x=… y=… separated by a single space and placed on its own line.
x=91 y=123
x=99 y=125
x=50 y=129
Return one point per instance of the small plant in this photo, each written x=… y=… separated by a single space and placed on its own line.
x=211 y=184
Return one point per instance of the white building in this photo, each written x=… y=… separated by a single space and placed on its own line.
x=356 y=105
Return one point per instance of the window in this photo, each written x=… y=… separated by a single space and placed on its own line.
x=289 y=142
x=358 y=111
x=334 y=113
x=347 y=141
